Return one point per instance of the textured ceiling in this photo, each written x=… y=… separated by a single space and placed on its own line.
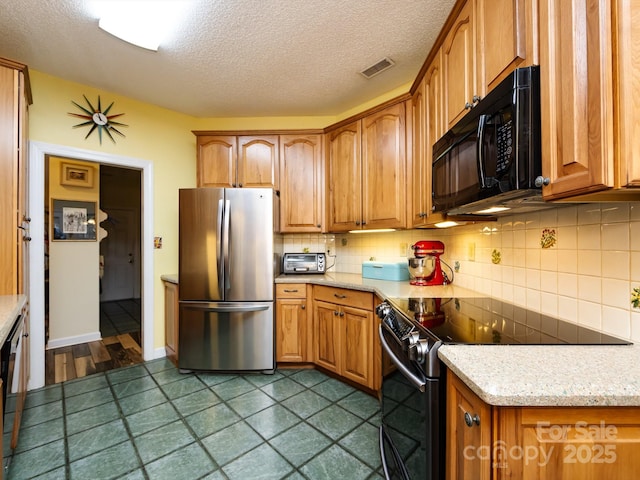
x=234 y=58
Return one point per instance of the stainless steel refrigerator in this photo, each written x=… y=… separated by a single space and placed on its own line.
x=226 y=276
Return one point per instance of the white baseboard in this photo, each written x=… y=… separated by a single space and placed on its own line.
x=67 y=341
x=159 y=353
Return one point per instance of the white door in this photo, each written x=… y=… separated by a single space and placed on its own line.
x=120 y=250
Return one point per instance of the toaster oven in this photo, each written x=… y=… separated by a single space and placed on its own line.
x=304 y=263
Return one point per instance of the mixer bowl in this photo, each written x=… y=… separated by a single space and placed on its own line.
x=422 y=267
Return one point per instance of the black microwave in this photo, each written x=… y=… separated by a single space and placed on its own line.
x=489 y=162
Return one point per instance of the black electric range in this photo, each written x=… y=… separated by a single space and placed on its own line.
x=486 y=320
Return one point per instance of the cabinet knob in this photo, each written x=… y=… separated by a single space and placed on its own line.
x=240 y=185
x=541 y=181
x=358 y=223
x=476 y=98
x=468 y=106
x=342 y=314
x=337 y=295
x=335 y=313
x=303 y=306
x=469 y=420
x=26 y=238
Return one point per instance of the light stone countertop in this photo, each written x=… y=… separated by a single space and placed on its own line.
x=10 y=307
x=515 y=375
x=553 y=375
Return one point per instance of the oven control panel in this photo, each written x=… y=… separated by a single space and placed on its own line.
x=398 y=325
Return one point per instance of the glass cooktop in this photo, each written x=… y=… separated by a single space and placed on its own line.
x=486 y=320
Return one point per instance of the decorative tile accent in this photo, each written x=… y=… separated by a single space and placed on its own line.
x=635 y=297
x=548 y=238
x=496 y=257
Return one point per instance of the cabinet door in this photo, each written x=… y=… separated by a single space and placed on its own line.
x=459 y=64
x=419 y=162
x=576 y=96
x=506 y=38
x=328 y=335
x=9 y=84
x=23 y=375
x=384 y=160
x=217 y=158
x=344 y=175
x=569 y=443
x=171 y=315
x=301 y=183
x=258 y=161
x=291 y=330
x=468 y=433
x=628 y=87
x=357 y=327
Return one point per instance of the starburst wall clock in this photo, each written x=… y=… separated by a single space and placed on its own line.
x=98 y=120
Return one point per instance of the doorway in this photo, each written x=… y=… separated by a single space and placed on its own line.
x=38 y=152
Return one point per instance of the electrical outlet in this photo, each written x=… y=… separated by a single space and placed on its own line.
x=403 y=249
x=471 y=253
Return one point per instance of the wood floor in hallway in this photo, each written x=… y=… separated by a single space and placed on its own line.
x=76 y=361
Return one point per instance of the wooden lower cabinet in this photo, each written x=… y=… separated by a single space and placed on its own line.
x=171 y=318
x=538 y=443
x=292 y=323
x=344 y=329
x=468 y=433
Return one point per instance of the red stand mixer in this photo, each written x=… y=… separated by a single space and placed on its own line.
x=425 y=267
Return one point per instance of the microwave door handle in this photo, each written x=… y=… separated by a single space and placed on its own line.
x=482 y=121
x=452 y=146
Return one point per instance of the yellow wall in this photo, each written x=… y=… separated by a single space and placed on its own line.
x=154 y=134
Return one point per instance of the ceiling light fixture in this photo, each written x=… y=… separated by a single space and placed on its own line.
x=141 y=23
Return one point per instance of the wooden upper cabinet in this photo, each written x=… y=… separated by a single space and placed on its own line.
x=217 y=160
x=383 y=168
x=507 y=38
x=459 y=66
x=237 y=161
x=15 y=96
x=301 y=199
x=577 y=96
x=487 y=40
x=627 y=91
x=427 y=128
x=344 y=178
x=419 y=162
x=258 y=161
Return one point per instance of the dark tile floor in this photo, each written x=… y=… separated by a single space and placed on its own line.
x=148 y=421
x=120 y=316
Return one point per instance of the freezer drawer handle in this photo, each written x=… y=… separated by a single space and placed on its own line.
x=240 y=308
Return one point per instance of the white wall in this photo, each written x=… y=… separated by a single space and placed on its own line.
x=74 y=298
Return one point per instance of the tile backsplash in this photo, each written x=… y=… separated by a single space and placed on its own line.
x=579 y=262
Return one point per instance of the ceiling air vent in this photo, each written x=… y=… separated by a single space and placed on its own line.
x=377 y=68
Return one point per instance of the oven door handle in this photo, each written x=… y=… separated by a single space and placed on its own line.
x=414 y=379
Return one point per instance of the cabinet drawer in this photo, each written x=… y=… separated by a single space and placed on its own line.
x=343 y=296
x=291 y=290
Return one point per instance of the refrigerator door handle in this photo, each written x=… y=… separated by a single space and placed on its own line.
x=228 y=308
x=225 y=246
x=219 y=247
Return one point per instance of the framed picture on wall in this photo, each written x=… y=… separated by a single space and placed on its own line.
x=76 y=175
x=73 y=220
